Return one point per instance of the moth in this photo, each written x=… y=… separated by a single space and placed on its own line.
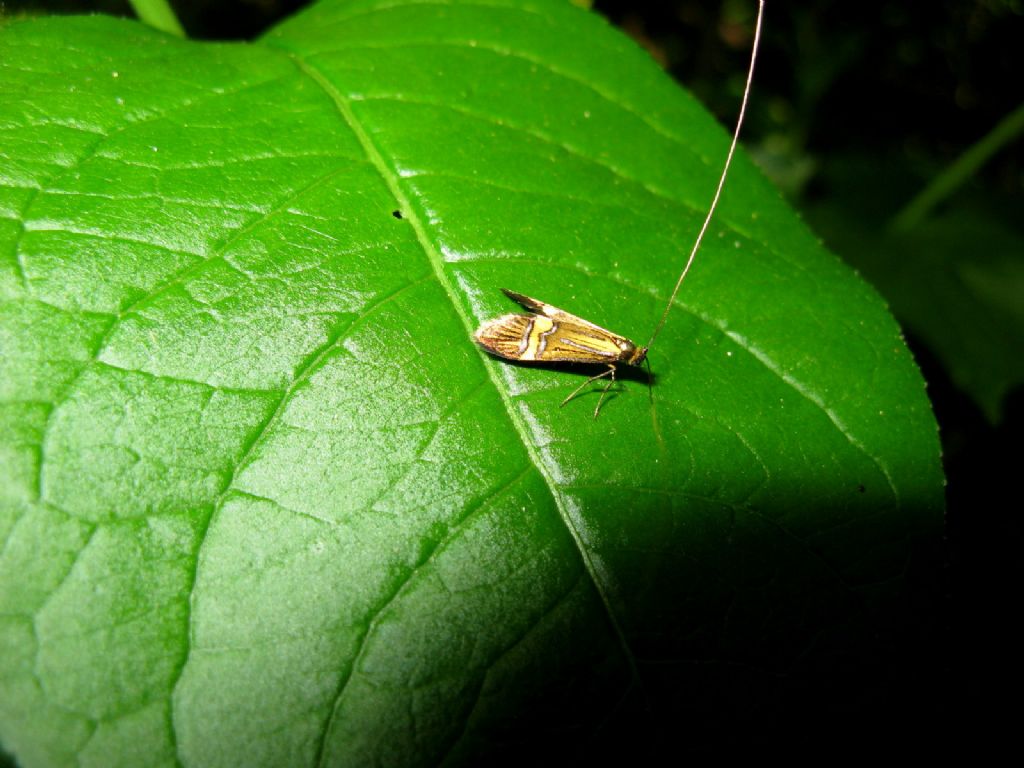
x=551 y=335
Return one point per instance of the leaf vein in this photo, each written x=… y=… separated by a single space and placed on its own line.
x=434 y=256
x=371 y=624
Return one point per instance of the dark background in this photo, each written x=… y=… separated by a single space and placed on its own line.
x=856 y=107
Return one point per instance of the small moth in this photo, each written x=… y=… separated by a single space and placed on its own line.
x=552 y=335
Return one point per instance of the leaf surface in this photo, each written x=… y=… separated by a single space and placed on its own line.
x=265 y=503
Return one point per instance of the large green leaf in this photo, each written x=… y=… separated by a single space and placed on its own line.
x=265 y=503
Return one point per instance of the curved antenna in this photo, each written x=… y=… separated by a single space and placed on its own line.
x=721 y=180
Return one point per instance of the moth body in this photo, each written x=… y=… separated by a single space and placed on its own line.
x=552 y=335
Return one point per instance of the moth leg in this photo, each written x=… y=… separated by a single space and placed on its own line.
x=611 y=380
x=609 y=372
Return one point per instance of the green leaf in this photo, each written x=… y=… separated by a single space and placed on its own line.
x=265 y=503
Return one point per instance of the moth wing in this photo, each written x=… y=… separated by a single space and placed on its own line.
x=506 y=336
x=534 y=305
x=548 y=310
x=550 y=335
x=577 y=341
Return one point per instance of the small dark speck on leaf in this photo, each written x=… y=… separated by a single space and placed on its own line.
x=861 y=488
x=397 y=214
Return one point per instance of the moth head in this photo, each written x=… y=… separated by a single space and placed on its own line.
x=635 y=355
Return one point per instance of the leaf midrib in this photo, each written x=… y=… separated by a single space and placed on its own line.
x=436 y=261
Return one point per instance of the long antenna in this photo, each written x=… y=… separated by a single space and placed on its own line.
x=725 y=170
